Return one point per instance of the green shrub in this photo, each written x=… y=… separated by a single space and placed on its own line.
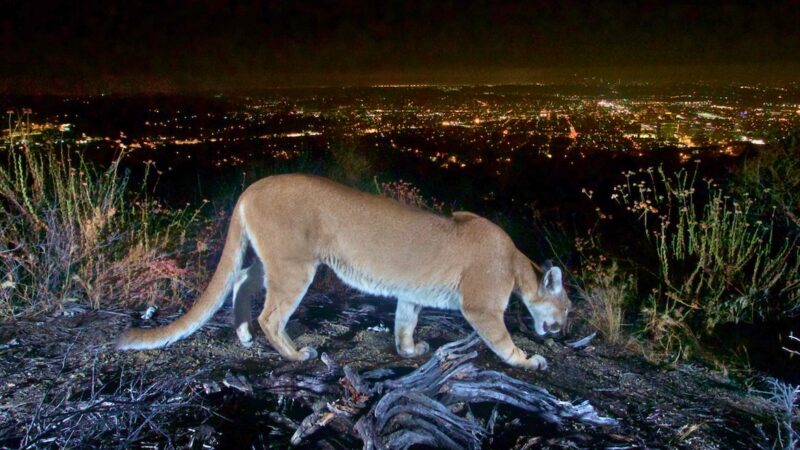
x=718 y=262
x=772 y=179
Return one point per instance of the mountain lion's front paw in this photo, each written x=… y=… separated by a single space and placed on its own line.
x=308 y=353
x=536 y=362
x=421 y=348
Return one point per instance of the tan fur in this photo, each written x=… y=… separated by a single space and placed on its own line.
x=377 y=245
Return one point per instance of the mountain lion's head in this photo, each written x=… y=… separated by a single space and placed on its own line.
x=551 y=305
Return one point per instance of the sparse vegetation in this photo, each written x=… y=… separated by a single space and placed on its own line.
x=713 y=254
x=605 y=286
x=718 y=260
x=73 y=232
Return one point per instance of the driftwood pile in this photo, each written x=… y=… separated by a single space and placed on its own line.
x=429 y=406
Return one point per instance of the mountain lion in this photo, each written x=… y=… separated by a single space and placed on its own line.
x=378 y=246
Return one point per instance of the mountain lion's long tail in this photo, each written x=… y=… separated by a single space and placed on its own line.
x=208 y=303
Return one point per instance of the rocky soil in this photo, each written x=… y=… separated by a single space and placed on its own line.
x=62 y=385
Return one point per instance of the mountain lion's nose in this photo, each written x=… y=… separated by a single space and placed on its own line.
x=552 y=328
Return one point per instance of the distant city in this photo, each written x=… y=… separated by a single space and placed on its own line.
x=452 y=126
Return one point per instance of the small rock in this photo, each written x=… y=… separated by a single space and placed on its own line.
x=72 y=309
x=211 y=387
x=9 y=344
x=238 y=382
x=380 y=328
x=149 y=312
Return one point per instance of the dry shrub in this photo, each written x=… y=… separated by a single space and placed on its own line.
x=74 y=232
x=670 y=334
x=125 y=409
x=785 y=400
x=607 y=290
x=406 y=193
x=142 y=276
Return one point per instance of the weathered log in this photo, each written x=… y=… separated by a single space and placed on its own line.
x=422 y=408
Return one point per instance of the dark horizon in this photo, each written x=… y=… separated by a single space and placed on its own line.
x=189 y=85
x=65 y=48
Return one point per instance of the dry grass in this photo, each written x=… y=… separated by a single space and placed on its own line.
x=606 y=292
x=605 y=286
x=74 y=232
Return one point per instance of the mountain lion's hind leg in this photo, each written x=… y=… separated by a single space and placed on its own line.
x=286 y=286
x=405 y=320
x=249 y=282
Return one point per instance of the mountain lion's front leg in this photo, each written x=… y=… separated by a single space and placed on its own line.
x=483 y=303
x=405 y=320
x=492 y=329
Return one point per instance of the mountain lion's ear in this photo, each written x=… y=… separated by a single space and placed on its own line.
x=552 y=281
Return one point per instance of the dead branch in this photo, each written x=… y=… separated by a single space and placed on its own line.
x=794 y=338
x=420 y=408
x=123 y=410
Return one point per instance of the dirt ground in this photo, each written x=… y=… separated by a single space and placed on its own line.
x=62 y=384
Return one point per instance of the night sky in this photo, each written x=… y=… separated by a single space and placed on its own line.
x=171 y=46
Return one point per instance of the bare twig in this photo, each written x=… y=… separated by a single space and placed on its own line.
x=120 y=411
x=784 y=397
x=794 y=338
